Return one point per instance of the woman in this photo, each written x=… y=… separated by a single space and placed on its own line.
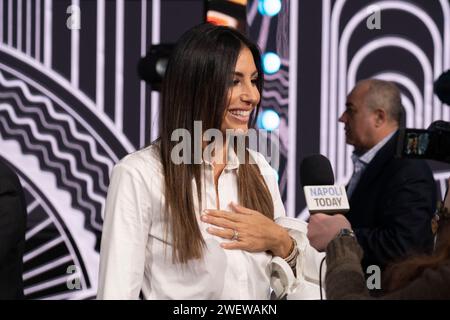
x=157 y=238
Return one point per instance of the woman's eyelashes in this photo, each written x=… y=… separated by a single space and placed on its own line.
x=238 y=81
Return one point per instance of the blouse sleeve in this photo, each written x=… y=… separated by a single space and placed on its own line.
x=305 y=284
x=125 y=234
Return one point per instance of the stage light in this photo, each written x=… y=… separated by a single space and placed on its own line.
x=270 y=120
x=271 y=63
x=269 y=7
x=152 y=67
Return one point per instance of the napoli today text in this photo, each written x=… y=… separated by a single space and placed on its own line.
x=325 y=191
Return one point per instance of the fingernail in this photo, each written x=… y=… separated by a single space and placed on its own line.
x=206 y=211
x=204 y=217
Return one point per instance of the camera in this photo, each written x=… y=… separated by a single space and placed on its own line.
x=432 y=143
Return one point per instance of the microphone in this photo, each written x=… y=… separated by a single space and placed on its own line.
x=442 y=87
x=317 y=179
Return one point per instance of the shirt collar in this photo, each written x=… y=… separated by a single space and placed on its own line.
x=232 y=159
x=369 y=155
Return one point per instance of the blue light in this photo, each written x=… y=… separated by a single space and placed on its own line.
x=270 y=120
x=269 y=7
x=277 y=176
x=271 y=63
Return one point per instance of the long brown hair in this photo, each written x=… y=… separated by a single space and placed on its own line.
x=195 y=88
x=400 y=274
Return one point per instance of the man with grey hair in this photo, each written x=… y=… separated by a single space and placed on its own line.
x=392 y=200
x=373 y=112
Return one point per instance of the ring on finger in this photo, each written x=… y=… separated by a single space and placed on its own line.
x=235 y=236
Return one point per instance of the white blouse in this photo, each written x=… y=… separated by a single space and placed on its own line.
x=134 y=255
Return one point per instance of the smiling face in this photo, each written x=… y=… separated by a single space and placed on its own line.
x=243 y=94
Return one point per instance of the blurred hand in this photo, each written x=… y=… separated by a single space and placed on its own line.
x=257 y=233
x=323 y=228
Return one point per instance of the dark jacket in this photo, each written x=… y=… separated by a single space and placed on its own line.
x=392 y=207
x=12 y=234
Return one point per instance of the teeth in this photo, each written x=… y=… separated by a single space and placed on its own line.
x=241 y=113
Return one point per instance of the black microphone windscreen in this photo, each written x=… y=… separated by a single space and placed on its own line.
x=442 y=87
x=316 y=170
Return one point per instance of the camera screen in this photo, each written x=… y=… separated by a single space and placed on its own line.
x=416 y=142
x=424 y=144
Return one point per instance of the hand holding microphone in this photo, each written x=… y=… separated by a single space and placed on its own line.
x=323 y=228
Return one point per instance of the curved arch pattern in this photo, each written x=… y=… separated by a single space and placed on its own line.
x=340 y=71
x=62 y=136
